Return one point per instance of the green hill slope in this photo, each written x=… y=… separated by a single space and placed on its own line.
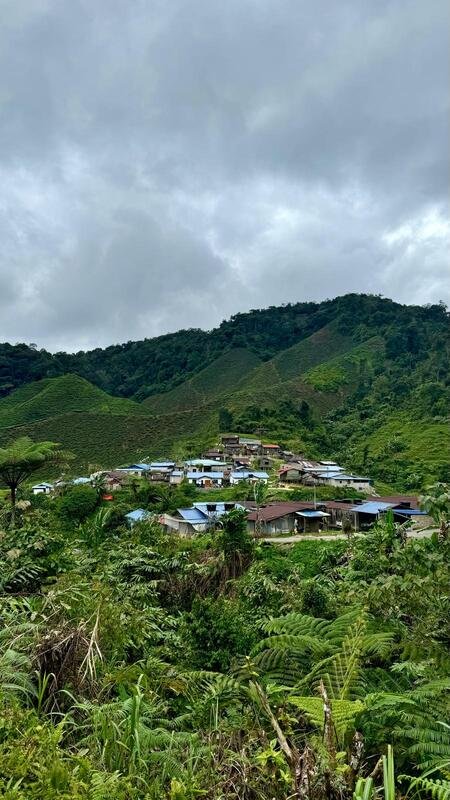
x=357 y=378
x=54 y=396
x=223 y=375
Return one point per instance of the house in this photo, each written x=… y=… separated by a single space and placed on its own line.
x=206 y=480
x=80 y=481
x=246 y=475
x=176 y=477
x=200 y=517
x=138 y=515
x=204 y=464
x=275 y=518
x=264 y=462
x=291 y=473
x=113 y=480
x=311 y=520
x=213 y=455
x=231 y=444
x=273 y=450
x=42 y=488
x=249 y=446
x=241 y=461
x=367 y=513
x=327 y=478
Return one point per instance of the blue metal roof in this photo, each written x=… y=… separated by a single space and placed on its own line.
x=44 y=483
x=198 y=475
x=204 y=462
x=137 y=515
x=311 y=513
x=193 y=515
x=139 y=466
x=372 y=507
x=78 y=481
x=157 y=464
x=177 y=472
x=249 y=474
x=409 y=512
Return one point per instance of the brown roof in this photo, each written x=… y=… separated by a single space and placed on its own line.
x=276 y=510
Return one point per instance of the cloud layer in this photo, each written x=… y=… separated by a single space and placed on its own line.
x=166 y=164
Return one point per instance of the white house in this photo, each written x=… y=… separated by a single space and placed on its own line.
x=343 y=479
x=42 y=488
x=205 y=479
x=246 y=475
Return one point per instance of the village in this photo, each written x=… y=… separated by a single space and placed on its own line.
x=261 y=468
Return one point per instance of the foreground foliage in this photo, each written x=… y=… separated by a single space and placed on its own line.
x=141 y=666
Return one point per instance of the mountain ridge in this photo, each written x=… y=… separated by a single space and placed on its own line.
x=340 y=378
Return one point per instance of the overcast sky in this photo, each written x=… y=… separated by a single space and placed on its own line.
x=166 y=163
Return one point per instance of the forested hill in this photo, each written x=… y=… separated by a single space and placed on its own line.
x=359 y=378
x=140 y=369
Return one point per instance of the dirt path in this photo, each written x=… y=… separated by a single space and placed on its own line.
x=331 y=537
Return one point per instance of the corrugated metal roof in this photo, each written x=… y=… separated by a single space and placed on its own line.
x=409 y=512
x=311 y=513
x=204 y=462
x=201 y=475
x=193 y=515
x=138 y=514
x=249 y=474
x=372 y=507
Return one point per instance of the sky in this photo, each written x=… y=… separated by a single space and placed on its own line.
x=167 y=163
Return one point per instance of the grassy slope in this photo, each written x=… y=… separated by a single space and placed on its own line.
x=113 y=439
x=426 y=442
x=211 y=382
x=54 y=396
x=295 y=361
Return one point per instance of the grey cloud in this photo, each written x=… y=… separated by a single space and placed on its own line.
x=167 y=164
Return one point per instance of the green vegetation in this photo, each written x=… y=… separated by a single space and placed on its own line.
x=140 y=665
x=359 y=378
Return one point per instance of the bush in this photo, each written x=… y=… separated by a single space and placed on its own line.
x=77 y=503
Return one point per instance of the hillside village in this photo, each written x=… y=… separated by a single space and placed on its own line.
x=259 y=466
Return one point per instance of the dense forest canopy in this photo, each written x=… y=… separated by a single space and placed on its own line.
x=155 y=365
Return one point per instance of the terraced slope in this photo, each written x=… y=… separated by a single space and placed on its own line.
x=298 y=359
x=54 y=396
x=110 y=439
x=220 y=377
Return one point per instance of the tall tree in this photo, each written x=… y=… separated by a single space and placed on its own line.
x=22 y=458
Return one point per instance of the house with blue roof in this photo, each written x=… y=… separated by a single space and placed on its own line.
x=366 y=514
x=42 y=488
x=138 y=515
x=205 y=479
x=198 y=518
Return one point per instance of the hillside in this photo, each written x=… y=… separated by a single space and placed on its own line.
x=216 y=379
x=360 y=378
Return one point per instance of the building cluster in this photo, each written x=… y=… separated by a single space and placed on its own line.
x=291 y=517
x=240 y=458
x=321 y=473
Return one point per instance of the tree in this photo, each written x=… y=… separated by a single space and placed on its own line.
x=21 y=459
x=225 y=420
x=260 y=490
x=236 y=543
x=437 y=504
x=78 y=502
